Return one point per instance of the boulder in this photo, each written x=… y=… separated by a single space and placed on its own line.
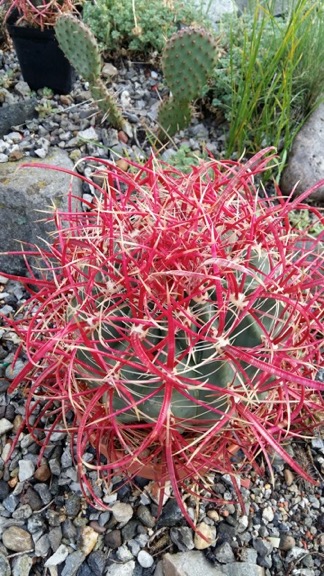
x=192 y=563
x=27 y=197
x=279 y=6
x=305 y=165
x=216 y=8
x=17 y=113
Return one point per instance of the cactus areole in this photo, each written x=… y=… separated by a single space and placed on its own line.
x=180 y=320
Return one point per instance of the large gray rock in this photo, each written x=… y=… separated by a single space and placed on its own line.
x=25 y=194
x=278 y=6
x=306 y=160
x=17 y=113
x=192 y=563
x=216 y=9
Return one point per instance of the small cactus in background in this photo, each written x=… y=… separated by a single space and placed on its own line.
x=174 y=325
x=80 y=47
x=187 y=61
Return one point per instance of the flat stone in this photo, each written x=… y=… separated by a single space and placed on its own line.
x=122 y=512
x=42 y=546
x=113 y=539
x=224 y=553
x=24 y=192
x=97 y=562
x=262 y=546
x=295 y=553
x=26 y=470
x=192 y=563
x=58 y=557
x=5 y=426
x=182 y=537
x=125 y=569
x=205 y=536
x=16 y=113
x=244 y=569
x=73 y=563
x=4 y=566
x=305 y=165
x=17 y=539
x=21 y=566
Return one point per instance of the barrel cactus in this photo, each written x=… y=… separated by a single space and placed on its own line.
x=176 y=324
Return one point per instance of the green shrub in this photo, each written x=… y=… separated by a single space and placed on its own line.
x=139 y=26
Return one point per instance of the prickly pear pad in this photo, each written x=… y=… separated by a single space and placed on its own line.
x=188 y=61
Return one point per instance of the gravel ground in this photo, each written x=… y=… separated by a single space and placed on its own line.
x=46 y=527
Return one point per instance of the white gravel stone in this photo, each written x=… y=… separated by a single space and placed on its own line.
x=122 y=512
x=125 y=569
x=145 y=559
x=58 y=557
x=124 y=554
x=267 y=514
x=26 y=470
x=4 y=158
x=41 y=152
x=5 y=426
x=242 y=524
x=88 y=134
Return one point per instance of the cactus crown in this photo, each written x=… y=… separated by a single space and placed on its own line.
x=79 y=46
x=187 y=61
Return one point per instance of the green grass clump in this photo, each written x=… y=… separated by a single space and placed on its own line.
x=138 y=25
x=269 y=75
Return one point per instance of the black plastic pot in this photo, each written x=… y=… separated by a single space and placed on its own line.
x=41 y=60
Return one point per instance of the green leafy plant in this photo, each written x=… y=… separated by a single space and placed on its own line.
x=175 y=323
x=269 y=75
x=184 y=158
x=80 y=47
x=187 y=60
x=138 y=26
x=305 y=219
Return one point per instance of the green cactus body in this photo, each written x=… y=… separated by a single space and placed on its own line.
x=188 y=60
x=173 y=116
x=106 y=103
x=79 y=46
x=203 y=366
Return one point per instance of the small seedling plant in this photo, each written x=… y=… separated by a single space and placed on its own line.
x=177 y=325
